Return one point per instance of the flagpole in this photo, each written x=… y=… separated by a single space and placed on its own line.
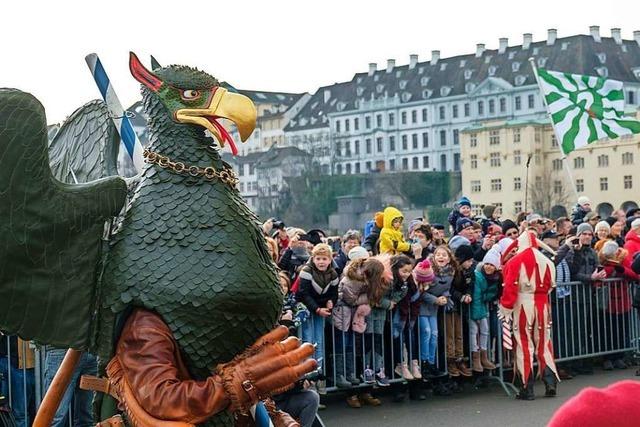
x=558 y=140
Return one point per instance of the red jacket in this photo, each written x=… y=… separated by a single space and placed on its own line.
x=619 y=295
x=632 y=245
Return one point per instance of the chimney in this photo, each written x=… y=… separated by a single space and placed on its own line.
x=413 y=61
x=327 y=95
x=435 y=56
x=390 y=64
x=504 y=43
x=552 y=35
x=615 y=34
x=479 y=49
x=372 y=68
x=526 y=40
x=594 y=30
x=636 y=36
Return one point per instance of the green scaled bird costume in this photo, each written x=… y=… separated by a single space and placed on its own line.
x=188 y=248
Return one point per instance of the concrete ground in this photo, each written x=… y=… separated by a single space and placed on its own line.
x=488 y=407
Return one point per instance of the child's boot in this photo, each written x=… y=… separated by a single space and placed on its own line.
x=476 y=364
x=484 y=359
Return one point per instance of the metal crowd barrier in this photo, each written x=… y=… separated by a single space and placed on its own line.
x=588 y=320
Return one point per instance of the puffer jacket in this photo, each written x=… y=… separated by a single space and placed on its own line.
x=352 y=292
x=441 y=287
x=485 y=291
x=391 y=240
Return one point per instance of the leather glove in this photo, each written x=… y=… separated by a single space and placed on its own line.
x=270 y=366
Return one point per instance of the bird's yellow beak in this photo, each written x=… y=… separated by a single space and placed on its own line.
x=226 y=105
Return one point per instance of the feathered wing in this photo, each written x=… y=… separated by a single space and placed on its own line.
x=51 y=231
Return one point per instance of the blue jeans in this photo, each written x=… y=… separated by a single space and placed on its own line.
x=313 y=332
x=22 y=406
x=81 y=399
x=428 y=338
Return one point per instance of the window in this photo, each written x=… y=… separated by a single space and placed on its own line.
x=604 y=184
x=392 y=164
x=414 y=116
x=379 y=120
x=443 y=138
x=356 y=147
x=496 y=184
x=580 y=185
x=367 y=122
x=492 y=106
x=441 y=112
x=628 y=182
x=557 y=164
x=456 y=137
x=338 y=126
x=538 y=183
x=414 y=141
x=392 y=143
x=443 y=162
x=474 y=161
x=554 y=141
x=503 y=105
x=425 y=162
x=367 y=143
x=405 y=145
x=557 y=187
x=356 y=124
x=578 y=163
x=405 y=164
x=517 y=183
x=518 y=102
x=242 y=187
x=414 y=163
x=517 y=207
x=368 y=166
x=603 y=161
x=537 y=136
x=339 y=169
x=358 y=167
x=631 y=97
x=392 y=119
x=424 y=114
x=627 y=158
x=476 y=187
x=348 y=168
x=347 y=148
x=517 y=157
x=467 y=109
x=338 y=149
x=480 y=108
x=379 y=144
x=530 y=101
x=454 y=111
x=473 y=140
x=403 y=117
x=456 y=162
x=425 y=140
x=494 y=137
x=516 y=135
x=347 y=125
x=494 y=159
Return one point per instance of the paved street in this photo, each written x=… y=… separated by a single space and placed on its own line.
x=477 y=408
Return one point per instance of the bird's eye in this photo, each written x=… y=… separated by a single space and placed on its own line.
x=190 y=94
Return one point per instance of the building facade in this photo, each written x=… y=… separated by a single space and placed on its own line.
x=494 y=170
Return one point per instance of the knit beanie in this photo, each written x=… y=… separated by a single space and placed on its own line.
x=492 y=257
x=322 y=249
x=462 y=223
x=456 y=241
x=609 y=249
x=464 y=201
x=507 y=225
x=379 y=219
x=415 y=223
x=357 y=253
x=583 y=200
x=611 y=220
x=489 y=210
x=635 y=223
x=603 y=225
x=423 y=272
x=463 y=253
x=585 y=226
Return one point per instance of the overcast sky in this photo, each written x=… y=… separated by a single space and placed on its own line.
x=290 y=46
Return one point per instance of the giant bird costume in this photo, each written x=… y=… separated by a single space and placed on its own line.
x=180 y=302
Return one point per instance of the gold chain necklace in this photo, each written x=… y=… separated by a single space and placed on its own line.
x=227 y=176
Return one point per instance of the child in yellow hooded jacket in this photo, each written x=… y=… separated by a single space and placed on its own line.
x=391 y=238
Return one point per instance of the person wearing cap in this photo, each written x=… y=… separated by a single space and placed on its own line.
x=350 y=240
x=296 y=255
x=491 y=217
x=538 y=223
x=580 y=210
x=632 y=241
x=592 y=218
x=510 y=229
x=438 y=234
x=461 y=210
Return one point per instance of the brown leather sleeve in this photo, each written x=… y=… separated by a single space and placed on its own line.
x=152 y=367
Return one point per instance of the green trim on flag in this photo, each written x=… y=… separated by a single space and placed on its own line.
x=585 y=109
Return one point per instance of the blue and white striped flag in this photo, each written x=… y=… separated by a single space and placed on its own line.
x=130 y=140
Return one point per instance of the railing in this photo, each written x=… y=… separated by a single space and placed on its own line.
x=589 y=320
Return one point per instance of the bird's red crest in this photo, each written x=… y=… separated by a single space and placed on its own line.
x=141 y=74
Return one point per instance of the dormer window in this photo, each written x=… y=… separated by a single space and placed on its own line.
x=636 y=72
x=426 y=94
x=359 y=80
x=602 y=71
x=520 y=79
x=333 y=102
x=424 y=81
x=376 y=77
x=492 y=70
x=541 y=62
x=379 y=88
x=515 y=67
x=341 y=106
x=463 y=62
x=443 y=66
x=359 y=90
x=602 y=57
x=512 y=54
x=564 y=46
x=303 y=121
x=487 y=59
x=406 y=97
x=536 y=50
x=623 y=47
x=467 y=74
x=469 y=87
x=402 y=84
x=445 y=90
x=398 y=74
x=420 y=70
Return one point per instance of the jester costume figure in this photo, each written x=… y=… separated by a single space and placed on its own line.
x=181 y=300
x=529 y=277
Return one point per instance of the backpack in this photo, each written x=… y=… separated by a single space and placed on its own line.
x=368 y=227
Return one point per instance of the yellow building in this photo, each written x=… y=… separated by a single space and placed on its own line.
x=494 y=156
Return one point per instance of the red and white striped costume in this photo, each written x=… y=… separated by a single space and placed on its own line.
x=529 y=277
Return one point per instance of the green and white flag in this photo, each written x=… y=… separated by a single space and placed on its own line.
x=585 y=109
